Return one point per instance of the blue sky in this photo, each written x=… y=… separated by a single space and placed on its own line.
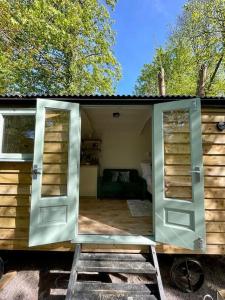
x=141 y=26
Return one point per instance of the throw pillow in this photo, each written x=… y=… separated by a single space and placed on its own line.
x=115 y=176
x=124 y=176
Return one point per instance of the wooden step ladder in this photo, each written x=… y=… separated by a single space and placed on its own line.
x=114 y=263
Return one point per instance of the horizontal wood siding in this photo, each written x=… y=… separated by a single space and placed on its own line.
x=178 y=184
x=15 y=185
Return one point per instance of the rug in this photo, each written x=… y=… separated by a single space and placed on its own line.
x=140 y=208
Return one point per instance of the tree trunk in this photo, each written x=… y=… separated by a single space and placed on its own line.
x=215 y=72
x=161 y=82
x=202 y=81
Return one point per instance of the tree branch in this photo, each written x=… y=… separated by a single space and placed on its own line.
x=215 y=71
x=88 y=55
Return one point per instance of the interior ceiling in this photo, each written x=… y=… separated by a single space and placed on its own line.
x=99 y=119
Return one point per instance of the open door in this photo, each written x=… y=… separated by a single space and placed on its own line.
x=178 y=187
x=55 y=182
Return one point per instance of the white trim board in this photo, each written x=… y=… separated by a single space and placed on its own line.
x=114 y=239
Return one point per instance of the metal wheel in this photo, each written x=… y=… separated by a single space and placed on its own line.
x=1 y=267
x=187 y=274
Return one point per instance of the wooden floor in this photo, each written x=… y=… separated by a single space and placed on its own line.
x=110 y=217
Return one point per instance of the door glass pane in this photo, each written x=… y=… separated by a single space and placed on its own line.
x=177 y=155
x=18 y=134
x=55 y=156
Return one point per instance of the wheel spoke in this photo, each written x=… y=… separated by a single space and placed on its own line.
x=188 y=276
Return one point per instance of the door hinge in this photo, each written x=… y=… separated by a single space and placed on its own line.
x=194 y=105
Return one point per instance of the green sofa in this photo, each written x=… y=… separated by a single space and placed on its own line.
x=122 y=184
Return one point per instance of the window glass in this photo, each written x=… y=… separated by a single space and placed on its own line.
x=55 y=156
x=177 y=155
x=18 y=134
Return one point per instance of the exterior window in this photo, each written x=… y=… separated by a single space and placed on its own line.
x=17 y=136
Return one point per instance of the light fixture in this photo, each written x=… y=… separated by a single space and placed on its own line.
x=220 y=126
x=116 y=115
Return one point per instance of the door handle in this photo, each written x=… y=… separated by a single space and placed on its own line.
x=36 y=171
x=197 y=172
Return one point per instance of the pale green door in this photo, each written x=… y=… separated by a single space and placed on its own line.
x=55 y=182
x=178 y=187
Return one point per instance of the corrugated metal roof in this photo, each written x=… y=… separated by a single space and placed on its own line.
x=34 y=95
x=30 y=99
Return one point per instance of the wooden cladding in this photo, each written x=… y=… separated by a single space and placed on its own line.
x=183 y=138
x=15 y=186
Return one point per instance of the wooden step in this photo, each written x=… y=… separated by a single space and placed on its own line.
x=93 y=296
x=111 y=291
x=114 y=263
x=113 y=256
x=115 y=266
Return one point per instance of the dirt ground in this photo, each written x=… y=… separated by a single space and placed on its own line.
x=44 y=276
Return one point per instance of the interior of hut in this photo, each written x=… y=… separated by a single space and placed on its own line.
x=115 y=171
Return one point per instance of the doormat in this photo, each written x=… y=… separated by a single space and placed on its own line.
x=140 y=208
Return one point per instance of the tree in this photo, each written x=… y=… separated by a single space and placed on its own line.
x=60 y=46
x=180 y=73
x=199 y=38
x=203 y=25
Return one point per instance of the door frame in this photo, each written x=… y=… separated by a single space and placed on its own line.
x=115 y=239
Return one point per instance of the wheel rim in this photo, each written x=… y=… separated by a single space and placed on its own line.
x=187 y=275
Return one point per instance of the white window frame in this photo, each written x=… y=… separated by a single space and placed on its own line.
x=17 y=157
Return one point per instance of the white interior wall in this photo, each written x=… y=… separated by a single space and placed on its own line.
x=125 y=149
x=125 y=142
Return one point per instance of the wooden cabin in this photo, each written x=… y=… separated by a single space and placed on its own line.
x=113 y=173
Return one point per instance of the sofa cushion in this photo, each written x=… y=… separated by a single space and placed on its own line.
x=124 y=176
x=128 y=184
x=133 y=175
x=112 y=190
x=115 y=176
x=107 y=175
x=121 y=175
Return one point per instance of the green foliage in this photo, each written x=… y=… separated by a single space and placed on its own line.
x=60 y=46
x=180 y=73
x=199 y=38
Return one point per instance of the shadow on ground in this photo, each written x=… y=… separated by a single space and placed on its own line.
x=45 y=275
